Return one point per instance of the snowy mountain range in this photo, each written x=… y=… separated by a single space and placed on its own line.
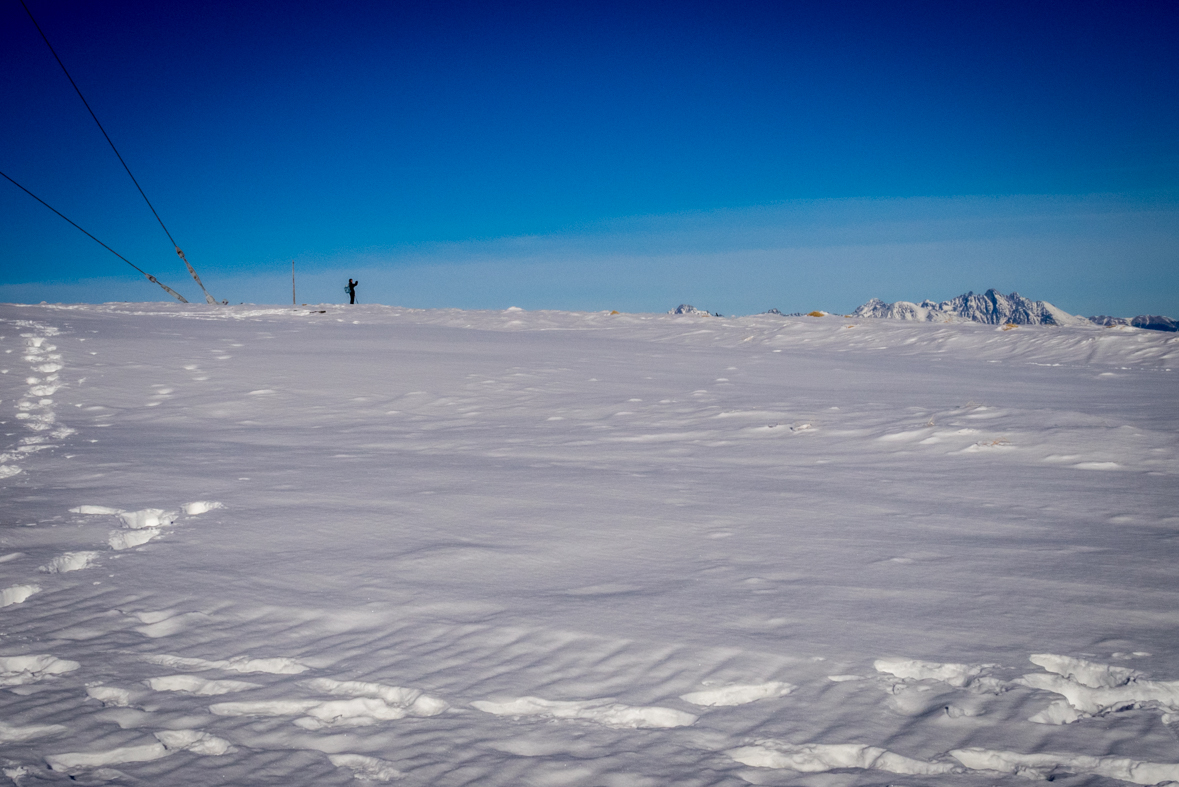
x=992 y=307
x=1150 y=322
x=685 y=308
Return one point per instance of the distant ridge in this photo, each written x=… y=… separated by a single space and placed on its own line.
x=1149 y=322
x=992 y=308
x=684 y=308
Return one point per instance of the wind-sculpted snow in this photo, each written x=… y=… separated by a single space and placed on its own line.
x=328 y=546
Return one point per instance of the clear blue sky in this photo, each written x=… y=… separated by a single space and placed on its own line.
x=584 y=156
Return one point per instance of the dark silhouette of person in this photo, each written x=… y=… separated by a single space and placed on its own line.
x=352 y=290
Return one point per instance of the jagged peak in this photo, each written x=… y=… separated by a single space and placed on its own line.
x=991 y=307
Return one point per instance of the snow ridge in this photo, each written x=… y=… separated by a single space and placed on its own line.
x=992 y=308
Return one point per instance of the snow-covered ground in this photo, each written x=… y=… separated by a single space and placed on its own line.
x=275 y=546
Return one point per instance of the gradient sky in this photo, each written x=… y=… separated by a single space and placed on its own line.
x=587 y=156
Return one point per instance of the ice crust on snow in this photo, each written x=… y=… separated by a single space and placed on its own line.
x=820 y=757
x=531 y=547
x=110 y=696
x=1097 y=701
x=200 y=507
x=1049 y=766
x=414 y=701
x=957 y=675
x=607 y=712
x=368 y=704
x=279 y=665
x=317 y=714
x=143 y=525
x=123 y=539
x=21 y=670
x=1086 y=673
x=372 y=769
x=96 y=510
x=17 y=594
x=190 y=684
x=12 y=733
x=70 y=561
x=148 y=518
x=739 y=694
x=168 y=742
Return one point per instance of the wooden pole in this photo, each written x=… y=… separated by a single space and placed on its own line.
x=293 y=299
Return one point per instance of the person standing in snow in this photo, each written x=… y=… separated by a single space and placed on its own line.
x=351 y=290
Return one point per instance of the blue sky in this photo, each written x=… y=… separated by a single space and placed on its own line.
x=635 y=155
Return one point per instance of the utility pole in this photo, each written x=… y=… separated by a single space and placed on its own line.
x=294 y=301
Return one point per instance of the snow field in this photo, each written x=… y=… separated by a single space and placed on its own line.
x=544 y=548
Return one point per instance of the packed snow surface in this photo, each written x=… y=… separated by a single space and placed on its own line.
x=332 y=545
